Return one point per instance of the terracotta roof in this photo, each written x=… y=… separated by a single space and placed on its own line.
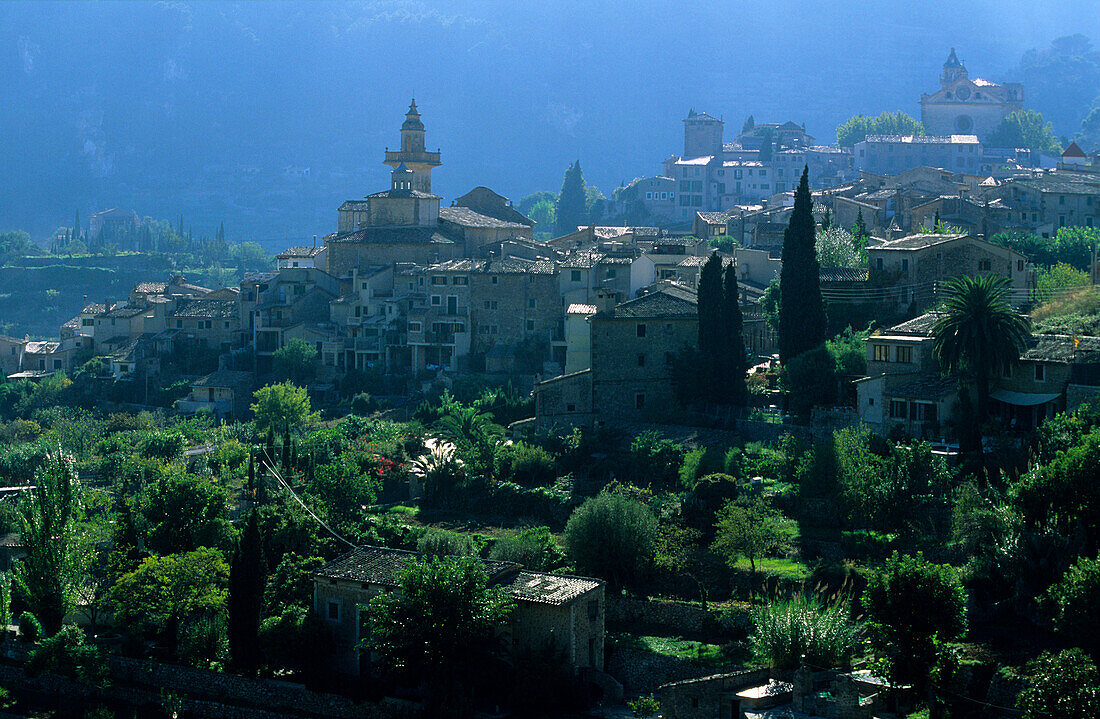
x=578 y=308
x=403 y=193
x=469 y=218
x=151 y=287
x=504 y=265
x=1060 y=349
x=842 y=274
x=299 y=252
x=223 y=378
x=216 y=309
x=917 y=242
x=397 y=234
x=581 y=260
x=918 y=326
x=553 y=589
x=664 y=301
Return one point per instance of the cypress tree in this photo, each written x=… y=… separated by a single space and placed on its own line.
x=709 y=376
x=735 y=364
x=246 y=590
x=801 y=312
x=572 y=209
x=76 y=227
x=860 y=228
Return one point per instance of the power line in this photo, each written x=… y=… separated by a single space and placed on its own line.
x=288 y=488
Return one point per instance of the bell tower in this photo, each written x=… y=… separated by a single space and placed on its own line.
x=413 y=154
x=952 y=70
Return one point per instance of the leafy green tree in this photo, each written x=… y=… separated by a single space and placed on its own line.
x=163 y=445
x=439 y=629
x=290 y=585
x=613 y=537
x=910 y=604
x=1074 y=600
x=980 y=334
x=1026 y=128
x=572 y=207
x=801 y=312
x=1088 y=139
x=185 y=512
x=856 y=129
x=654 y=460
x=247 y=576
x=1054 y=281
x=282 y=405
x=251 y=257
x=295 y=361
x=48 y=575
x=747 y=527
x=166 y=593
x=770 y=303
x=14 y=245
x=837 y=247
x=1065 y=685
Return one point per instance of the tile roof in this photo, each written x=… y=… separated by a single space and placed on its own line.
x=716 y=218
x=581 y=260
x=223 y=378
x=216 y=309
x=925 y=139
x=299 y=252
x=663 y=301
x=842 y=274
x=925 y=386
x=917 y=242
x=505 y=265
x=121 y=311
x=259 y=277
x=1063 y=182
x=93 y=308
x=693 y=261
x=918 y=326
x=403 y=193
x=578 y=308
x=397 y=234
x=554 y=589
x=1060 y=349
x=151 y=288
x=379 y=566
x=469 y=218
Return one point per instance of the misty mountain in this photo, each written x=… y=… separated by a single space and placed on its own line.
x=267 y=115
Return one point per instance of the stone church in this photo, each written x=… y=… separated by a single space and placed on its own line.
x=965 y=106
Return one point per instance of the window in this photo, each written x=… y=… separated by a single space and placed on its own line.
x=639 y=400
x=898 y=409
x=878 y=264
x=640 y=329
x=882 y=353
x=530 y=325
x=1040 y=372
x=461 y=280
x=532 y=303
x=984 y=265
x=575 y=276
x=86 y=322
x=437 y=300
x=649 y=195
x=610 y=273
x=179 y=324
x=439 y=280
x=333 y=610
x=641 y=360
x=1019 y=265
x=593 y=610
x=570 y=407
x=922 y=412
x=495 y=279
x=414 y=326
x=905 y=354
x=1061 y=199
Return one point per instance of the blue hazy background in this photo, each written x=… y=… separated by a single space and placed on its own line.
x=215 y=110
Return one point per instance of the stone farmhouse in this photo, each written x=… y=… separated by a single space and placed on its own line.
x=562 y=610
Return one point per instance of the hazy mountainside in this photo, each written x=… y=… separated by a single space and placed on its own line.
x=267 y=115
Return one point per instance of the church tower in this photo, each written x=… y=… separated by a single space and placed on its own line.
x=412 y=154
x=952 y=70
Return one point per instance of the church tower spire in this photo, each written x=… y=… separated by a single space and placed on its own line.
x=952 y=69
x=413 y=154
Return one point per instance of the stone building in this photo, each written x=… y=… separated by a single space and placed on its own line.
x=890 y=154
x=225 y=394
x=916 y=265
x=965 y=106
x=214 y=324
x=563 y=610
x=629 y=371
x=302 y=257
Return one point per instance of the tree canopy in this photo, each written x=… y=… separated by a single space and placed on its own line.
x=278 y=406
x=572 y=207
x=856 y=129
x=613 y=537
x=1026 y=128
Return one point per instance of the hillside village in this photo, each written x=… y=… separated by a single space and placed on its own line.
x=787 y=429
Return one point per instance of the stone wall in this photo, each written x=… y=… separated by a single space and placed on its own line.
x=678 y=617
x=205 y=693
x=707 y=696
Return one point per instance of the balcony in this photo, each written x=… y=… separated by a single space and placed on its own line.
x=425 y=158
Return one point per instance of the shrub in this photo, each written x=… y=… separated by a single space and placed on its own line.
x=788 y=629
x=66 y=653
x=163 y=445
x=1075 y=599
x=30 y=629
x=447 y=544
x=534 y=548
x=1065 y=685
x=613 y=537
x=531 y=466
x=363 y=404
x=644 y=706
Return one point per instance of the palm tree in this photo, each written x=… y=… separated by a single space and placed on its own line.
x=979 y=333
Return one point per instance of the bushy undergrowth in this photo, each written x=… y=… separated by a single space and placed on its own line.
x=785 y=630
